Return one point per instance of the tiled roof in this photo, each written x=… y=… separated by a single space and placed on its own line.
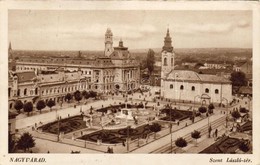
x=213 y=78
x=186 y=75
x=245 y=90
x=25 y=76
x=183 y=75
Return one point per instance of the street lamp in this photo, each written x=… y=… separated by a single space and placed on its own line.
x=171 y=126
x=58 y=129
x=223 y=98
x=127 y=139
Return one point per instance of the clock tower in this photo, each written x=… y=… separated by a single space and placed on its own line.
x=108 y=42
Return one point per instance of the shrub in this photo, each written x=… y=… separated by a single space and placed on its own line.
x=202 y=109
x=243 y=110
x=180 y=142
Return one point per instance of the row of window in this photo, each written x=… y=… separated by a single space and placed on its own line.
x=65 y=89
x=25 y=92
x=165 y=62
x=88 y=72
x=193 y=89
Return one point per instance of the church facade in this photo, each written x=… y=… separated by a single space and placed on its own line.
x=184 y=85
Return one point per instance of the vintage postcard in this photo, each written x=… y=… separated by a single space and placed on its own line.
x=129 y=82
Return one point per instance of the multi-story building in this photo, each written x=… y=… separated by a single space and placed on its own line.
x=52 y=78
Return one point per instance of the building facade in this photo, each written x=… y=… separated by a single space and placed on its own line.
x=184 y=85
x=52 y=78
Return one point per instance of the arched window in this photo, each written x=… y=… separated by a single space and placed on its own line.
x=165 y=62
x=206 y=90
x=36 y=91
x=18 y=92
x=193 y=88
x=216 y=91
x=25 y=92
x=171 y=61
x=171 y=86
x=182 y=87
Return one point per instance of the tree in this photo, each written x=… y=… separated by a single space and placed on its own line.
x=11 y=144
x=77 y=96
x=243 y=110
x=85 y=94
x=92 y=94
x=143 y=64
x=68 y=97
x=25 y=142
x=243 y=147
x=51 y=103
x=18 y=105
x=238 y=79
x=235 y=115
x=40 y=105
x=181 y=142
x=202 y=109
x=198 y=65
x=28 y=107
x=150 y=61
x=155 y=127
x=210 y=108
x=195 y=135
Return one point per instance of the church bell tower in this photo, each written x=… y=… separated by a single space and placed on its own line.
x=108 y=42
x=167 y=60
x=167 y=55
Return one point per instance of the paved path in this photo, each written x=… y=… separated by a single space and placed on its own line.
x=52 y=116
x=163 y=141
x=43 y=146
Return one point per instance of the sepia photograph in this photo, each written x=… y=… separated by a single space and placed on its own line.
x=144 y=81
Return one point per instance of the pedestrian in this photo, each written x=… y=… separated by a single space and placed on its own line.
x=81 y=133
x=216 y=133
x=123 y=143
x=108 y=150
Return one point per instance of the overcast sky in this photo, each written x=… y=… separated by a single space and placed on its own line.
x=84 y=30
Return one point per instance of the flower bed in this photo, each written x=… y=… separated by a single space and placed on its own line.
x=117 y=135
x=67 y=125
x=176 y=114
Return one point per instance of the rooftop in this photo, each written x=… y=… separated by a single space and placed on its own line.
x=25 y=76
x=186 y=75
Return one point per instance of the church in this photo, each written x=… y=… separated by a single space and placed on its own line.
x=184 y=85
